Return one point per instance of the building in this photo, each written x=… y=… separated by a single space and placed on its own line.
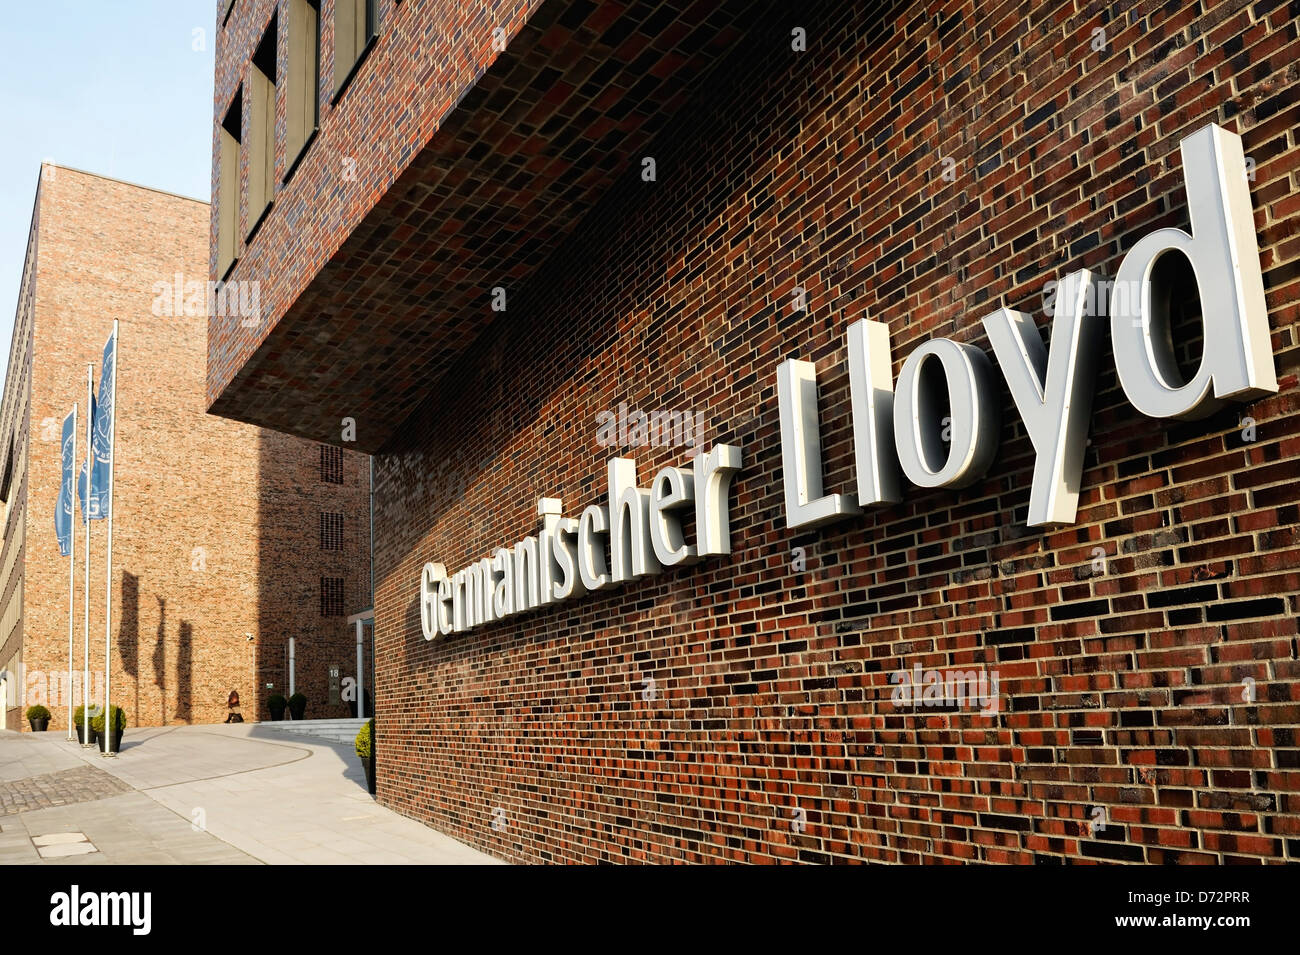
x=513 y=243
x=228 y=539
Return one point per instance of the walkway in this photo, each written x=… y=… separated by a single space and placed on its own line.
x=203 y=795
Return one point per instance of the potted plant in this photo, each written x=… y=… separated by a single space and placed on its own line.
x=276 y=704
x=79 y=722
x=297 y=706
x=118 y=725
x=365 y=747
x=39 y=718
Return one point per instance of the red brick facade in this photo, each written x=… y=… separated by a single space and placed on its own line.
x=1126 y=732
x=368 y=224
x=216 y=550
x=347 y=168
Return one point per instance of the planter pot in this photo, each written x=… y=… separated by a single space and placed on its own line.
x=40 y=725
x=298 y=713
x=277 y=715
x=102 y=738
x=81 y=733
x=369 y=766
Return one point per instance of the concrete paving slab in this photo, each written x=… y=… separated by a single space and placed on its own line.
x=72 y=849
x=59 y=838
x=227 y=794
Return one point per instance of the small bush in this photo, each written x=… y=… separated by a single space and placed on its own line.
x=37 y=712
x=365 y=737
x=297 y=705
x=276 y=702
x=119 y=720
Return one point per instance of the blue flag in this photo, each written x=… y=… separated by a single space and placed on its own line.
x=97 y=493
x=102 y=414
x=63 y=507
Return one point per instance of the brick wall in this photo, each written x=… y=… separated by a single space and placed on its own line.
x=14 y=423
x=216 y=534
x=348 y=166
x=1121 y=689
x=292 y=564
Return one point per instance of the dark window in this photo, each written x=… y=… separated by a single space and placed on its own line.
x=331 y=596
x=228 y=185
x=302 y=86
x=331 y=464
x=261 y=136
x=8 y=476
x=356 y=23
x=331 y=531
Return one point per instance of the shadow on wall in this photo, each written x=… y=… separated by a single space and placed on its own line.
x=128 y=637
x=270 y=667
x=184 y=688
x=160 y=661
x=292 y=494
x=128 y=649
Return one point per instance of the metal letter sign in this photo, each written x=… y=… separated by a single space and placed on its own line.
x=941 y=430
x=1052 y=387
x=1238 y=357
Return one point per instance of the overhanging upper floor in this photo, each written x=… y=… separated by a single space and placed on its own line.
x=358 y=320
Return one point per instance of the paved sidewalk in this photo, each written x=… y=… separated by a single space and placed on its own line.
x=234 y=793
x=60 y=788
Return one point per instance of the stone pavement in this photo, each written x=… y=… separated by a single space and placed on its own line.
x=233 y=793
x=60 y=788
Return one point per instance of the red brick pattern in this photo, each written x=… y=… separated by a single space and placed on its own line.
x=348 y=168
x=216 y=537
x=770 y=734
x=499 y=155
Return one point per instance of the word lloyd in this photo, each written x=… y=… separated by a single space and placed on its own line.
x=567 y=557
x=1052 y=388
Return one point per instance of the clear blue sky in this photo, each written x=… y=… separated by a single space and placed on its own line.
x=113 y=88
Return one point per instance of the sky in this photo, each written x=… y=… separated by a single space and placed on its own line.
x=120 y=88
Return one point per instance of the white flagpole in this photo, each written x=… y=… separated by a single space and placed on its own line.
x=109 y=727
x=72 y=564
x=86 y=741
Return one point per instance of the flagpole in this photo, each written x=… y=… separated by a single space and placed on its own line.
x=86 y=741
x=109 y=726
x=72 y=566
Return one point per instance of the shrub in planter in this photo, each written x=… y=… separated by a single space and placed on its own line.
x=118 y=725
x=38 y=717
x=365 y=747
x=97 y=721
x=297 y=706
x=85 y=735
x=276 y=704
